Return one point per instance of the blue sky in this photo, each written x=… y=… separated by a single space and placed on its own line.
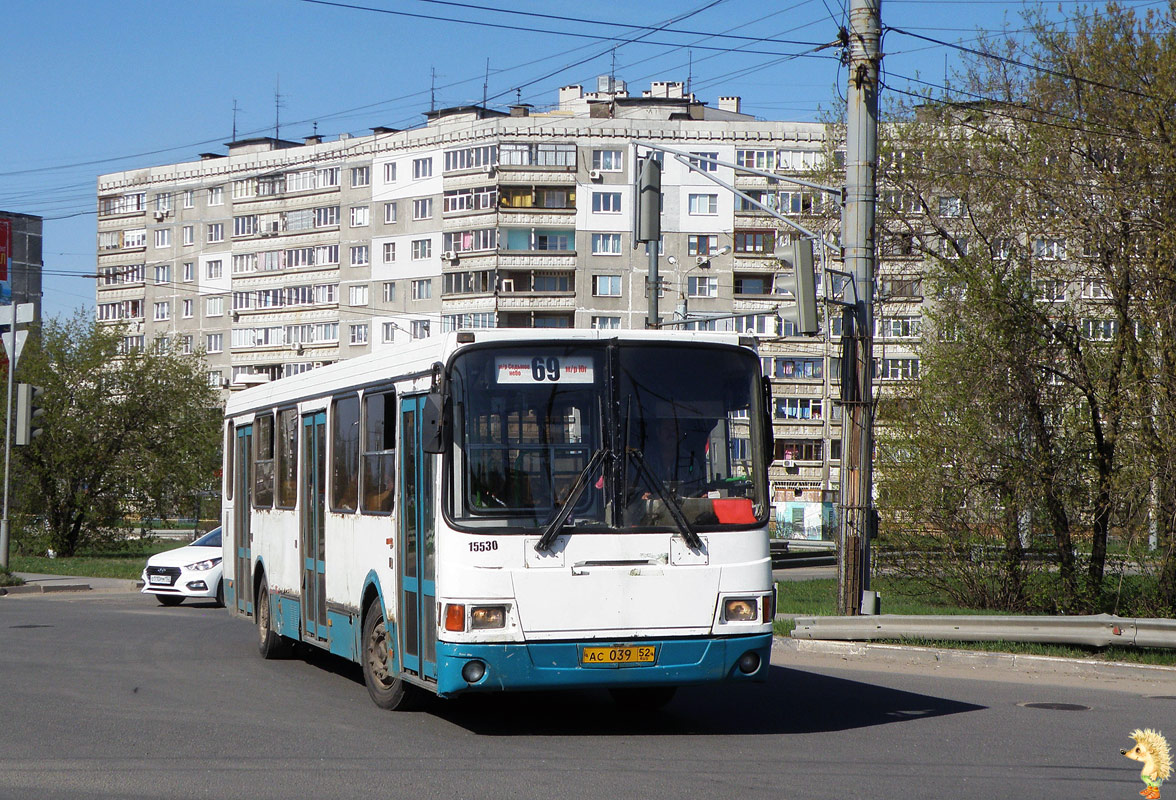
x=95 y=86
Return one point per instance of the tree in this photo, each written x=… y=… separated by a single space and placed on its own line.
x=125 y=432
x=1043 y=196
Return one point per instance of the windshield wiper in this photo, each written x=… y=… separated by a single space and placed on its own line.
x=675 y=510
x=553 y=528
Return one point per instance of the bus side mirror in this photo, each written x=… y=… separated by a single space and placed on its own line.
x=433 y=423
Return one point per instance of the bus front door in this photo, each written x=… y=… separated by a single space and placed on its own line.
x=312 y=541
x=242 y=535
x=418 y=607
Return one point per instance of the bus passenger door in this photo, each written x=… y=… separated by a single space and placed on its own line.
x=242 y=507
x=418 y=609
x=311 y=526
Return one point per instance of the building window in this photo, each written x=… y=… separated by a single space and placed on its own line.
x=798 y=408
x=608 y=160
x=421 y=289
x=214 y=307
x=420 y=329
x=163 y=237
x=214 y=342
x=900 y=369
x=390 y=172
x=703 y=286
x=606 y=323
x=326 y=217
x=162 y=311
x=389 y=252
x=422 y=168
x=703 y=204
x=245 y=226
x=705 y=166
x=189 y=271
x=606 y=202
x=898 y=327
x=951 y=207
x=216 y=232
x=186 y=307
x=359 y=333
x=359 y=255
x=756 y=159
x=388 y=332
x=1049 y=249
x=189 y=234
x=216 y=196
x=1094 y=289
x=361 y=176
x=606 y=285
x=797 y=368
x=701 y=245
x=389 y=295
x=358 y=295
x=759 y=242
x=1100 y=330
x=389 y=213
x=189 y=198
x=421 y=249
x=359 y=216
x=423 y=208
x=162 y=274
x=606 y=244
x=214 y=269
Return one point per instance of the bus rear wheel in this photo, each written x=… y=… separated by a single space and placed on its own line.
x=269 y=644
x=386 y=690
x=643 y=698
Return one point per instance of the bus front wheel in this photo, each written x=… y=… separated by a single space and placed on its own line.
x=386 y=690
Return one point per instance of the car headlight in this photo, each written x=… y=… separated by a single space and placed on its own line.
x=741 y=609
x=200 y=566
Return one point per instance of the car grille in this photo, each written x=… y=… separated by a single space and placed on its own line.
x=171 y=573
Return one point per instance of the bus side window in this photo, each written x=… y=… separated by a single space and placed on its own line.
x=378 y=460
x=263 y=461
x=345 y=454
x=230 y=440
x=287 y=458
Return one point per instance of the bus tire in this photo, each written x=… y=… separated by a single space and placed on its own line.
x=643 y=698
x=269 y=644
x=386 y=691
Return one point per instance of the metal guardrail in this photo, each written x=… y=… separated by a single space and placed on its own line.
x=1095 y=630
x=784 y=555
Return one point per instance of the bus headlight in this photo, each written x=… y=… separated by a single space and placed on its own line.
x=483 y=617
x=740 y=609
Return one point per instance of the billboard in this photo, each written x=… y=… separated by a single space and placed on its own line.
x=5 y=260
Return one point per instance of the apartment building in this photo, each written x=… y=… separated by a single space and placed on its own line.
x=281 y=256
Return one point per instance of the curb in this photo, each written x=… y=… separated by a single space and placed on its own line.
x=933 y=656
x=34 y=588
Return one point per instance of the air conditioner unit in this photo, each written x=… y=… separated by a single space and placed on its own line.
x=159 y=215
x=789 y=463
x=595 y=175
x=751 y=332
x=703 y=261
x=490 y=169
x=449 y=255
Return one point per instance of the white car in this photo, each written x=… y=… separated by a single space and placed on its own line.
x=191 y=571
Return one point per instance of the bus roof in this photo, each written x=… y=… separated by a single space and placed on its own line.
x=418 y=357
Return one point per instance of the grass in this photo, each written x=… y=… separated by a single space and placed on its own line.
x=125 y=563
x=899 y=596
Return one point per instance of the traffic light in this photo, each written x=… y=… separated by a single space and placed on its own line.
x=799 y=255
x=28 y=413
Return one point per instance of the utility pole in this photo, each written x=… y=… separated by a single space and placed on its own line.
x=11 y=316
x=856 y=521
x=648 y=227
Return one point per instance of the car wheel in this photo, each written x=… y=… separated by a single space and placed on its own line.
x=269 y=644
x=220 y=594
x=643 y=698
x=170 y=599
x=386 y=690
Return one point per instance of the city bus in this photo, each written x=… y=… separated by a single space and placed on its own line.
x=501 y=509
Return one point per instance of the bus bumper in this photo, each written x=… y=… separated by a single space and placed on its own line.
x=556 y=665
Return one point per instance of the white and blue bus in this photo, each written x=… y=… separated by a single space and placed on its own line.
x=510 y=510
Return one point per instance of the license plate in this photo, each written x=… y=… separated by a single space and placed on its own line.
x=164 y=579
x=622 y=654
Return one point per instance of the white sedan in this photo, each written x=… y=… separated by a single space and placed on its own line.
x=190 y=571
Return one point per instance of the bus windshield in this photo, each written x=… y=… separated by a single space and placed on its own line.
x=666 y=431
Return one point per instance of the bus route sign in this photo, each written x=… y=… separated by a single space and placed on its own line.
x=544 y=369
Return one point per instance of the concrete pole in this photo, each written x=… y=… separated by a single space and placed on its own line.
x=857 y=237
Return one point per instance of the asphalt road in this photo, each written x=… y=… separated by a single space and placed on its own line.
x=113 y=696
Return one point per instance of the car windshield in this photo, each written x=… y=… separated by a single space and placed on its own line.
x=210 y=539
x=656 y=425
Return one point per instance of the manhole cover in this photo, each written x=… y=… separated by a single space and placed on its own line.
x=1056 y=706
x=30 y=626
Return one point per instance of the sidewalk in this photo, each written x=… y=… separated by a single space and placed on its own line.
x=45 y=584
